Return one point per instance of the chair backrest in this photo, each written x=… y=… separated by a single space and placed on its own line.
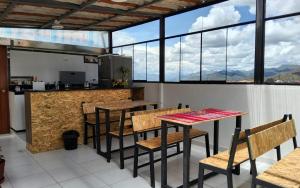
x=148 y=121
x=89 y=108
x=264 y=141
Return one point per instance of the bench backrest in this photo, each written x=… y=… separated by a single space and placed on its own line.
x=243 y=136
x=148 y=121
x=152 y=111
x=264 y=141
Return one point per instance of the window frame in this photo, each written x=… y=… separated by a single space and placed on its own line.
x=259 y=64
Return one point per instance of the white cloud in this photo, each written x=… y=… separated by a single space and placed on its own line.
x=279 y=7
x=217 y=16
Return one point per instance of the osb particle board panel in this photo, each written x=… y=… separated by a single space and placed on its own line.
x=52 y=113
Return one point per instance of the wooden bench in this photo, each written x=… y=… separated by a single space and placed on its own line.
x=145 y=122
x=228 y=162
x=284 y=173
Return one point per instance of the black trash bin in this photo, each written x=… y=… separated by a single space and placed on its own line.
x=70 y=139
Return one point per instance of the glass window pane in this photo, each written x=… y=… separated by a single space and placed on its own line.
x=117 y=50
x=279 y=7
x=144 y=32
x=282 y=50
x=128 y=51
x=214 y=55
x=172 y=59
x=153 y=61
x=240 y=53
x=82 y=38
x=190 y=57
x=139 y=60
x=221 y=14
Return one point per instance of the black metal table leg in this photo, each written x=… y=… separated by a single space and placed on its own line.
x=186 y=156
x=216 y=137
x=97 y=134
x=107 y=130
x=164 y=175
x=238 y=124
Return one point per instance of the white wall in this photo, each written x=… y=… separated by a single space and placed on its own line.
x=264 y=103
x=46 y=66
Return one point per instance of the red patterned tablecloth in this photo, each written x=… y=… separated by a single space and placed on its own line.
x=208 y=114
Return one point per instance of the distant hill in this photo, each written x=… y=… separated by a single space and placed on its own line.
x=284 y=73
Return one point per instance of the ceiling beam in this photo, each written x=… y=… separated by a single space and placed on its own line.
x=63 y=16
x=125 y=13
x=7 y=10
x=72 y=6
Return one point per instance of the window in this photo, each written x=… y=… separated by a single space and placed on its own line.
x=172 y=59
x=224 y=54
x=82 y=38
x=240 y=53
x=279 y=7
x=140 y=62
x=153 y=61
x=145 y=58
x=221 y=14
x=190 y=58
x=214 y=55
x=282 y=50
x=140 y=33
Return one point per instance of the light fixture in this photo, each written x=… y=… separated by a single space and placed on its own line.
x=57 y=25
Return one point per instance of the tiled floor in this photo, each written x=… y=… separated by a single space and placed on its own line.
x=83 y=168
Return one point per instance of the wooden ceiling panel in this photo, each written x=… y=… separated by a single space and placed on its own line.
x=77 y=21
x=110 y=4
x=39 y=10
x=27 y=17
x=176 y=5
x=128 y=18
x=92 y=15
x=78 y=2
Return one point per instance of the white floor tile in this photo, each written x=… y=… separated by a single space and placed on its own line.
x=23 y=171
x=114 y=176
x=53 y=186
x=99 y=164
x=89 y=181
x=34 y=181
x=66 y=173
x=132 y=183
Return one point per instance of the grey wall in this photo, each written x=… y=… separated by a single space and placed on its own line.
x=46 y=66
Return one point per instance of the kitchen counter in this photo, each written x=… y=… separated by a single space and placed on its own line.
x=50 y=113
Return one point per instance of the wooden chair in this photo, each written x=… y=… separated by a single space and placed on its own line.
x=148 y=122
x=228 y=162
x=89 y=116
x=284 y=173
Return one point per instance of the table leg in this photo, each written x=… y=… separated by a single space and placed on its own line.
x=238 y=124
x=216 y=137
x=97 y=134
x=164 y=173
x=186 y=156
x=107 y=130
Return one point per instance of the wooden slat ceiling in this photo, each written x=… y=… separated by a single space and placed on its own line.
x=99 y=15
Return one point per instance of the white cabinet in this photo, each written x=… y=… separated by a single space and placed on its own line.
x=17 y=111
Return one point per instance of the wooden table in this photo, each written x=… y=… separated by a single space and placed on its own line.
x=187 y=121
x=122 y=106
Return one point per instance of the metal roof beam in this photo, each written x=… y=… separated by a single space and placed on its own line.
x=91 y=8
x=63 y=16
x=125 y=13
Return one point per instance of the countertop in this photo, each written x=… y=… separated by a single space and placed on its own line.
x=85 y=89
